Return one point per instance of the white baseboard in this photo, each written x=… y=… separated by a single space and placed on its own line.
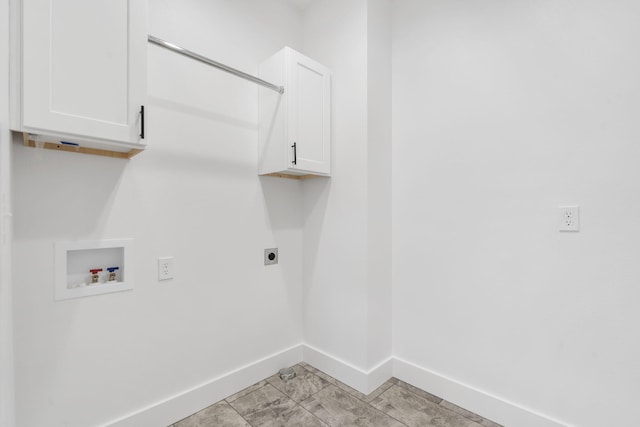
x=484 y=404
x=363 y=381
x=190 y=401
x=193 y=400
x=379 y=374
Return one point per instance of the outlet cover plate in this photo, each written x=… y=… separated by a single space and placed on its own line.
x=270 y=256
x=165 y=268
x=569 y=217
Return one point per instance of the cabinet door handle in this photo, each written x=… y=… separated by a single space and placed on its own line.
x=142 y=122
x=295 y=153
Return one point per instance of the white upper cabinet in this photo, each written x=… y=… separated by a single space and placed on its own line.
x=79 y=73
x=295 y=127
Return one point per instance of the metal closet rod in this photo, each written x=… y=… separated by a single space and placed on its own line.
x=182 y=51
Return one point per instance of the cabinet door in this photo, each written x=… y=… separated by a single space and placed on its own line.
x=84 y=67
x=309 y=107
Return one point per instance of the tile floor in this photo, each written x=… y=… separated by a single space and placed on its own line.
x=313 y=398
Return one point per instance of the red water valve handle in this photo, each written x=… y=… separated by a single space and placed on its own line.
x=95 y=271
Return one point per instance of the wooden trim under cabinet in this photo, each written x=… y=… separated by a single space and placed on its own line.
x=28 y=142
x=287 y=176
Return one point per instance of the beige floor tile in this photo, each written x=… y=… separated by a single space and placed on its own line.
x=268 y=406
x=414 y=410
x=304 y=385
x=220 y=414
x=338 y=407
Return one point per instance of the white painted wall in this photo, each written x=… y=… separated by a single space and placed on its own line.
x=195 y=195
x=503 y=110
x=6 y=330
x=379 y=318
x=335 y=210
x=347 y=229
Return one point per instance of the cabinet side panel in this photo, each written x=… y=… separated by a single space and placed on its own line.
x=272 y=156
x=15 y=65
x=35 y=66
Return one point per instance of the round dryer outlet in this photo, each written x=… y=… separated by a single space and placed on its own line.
x=270 y=256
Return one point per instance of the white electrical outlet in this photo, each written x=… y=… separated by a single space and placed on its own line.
x=569 y=218
x=165 y=268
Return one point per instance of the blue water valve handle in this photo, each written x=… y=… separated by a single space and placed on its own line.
x=112 y=273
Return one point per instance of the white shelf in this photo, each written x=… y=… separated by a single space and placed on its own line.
x=75 y=259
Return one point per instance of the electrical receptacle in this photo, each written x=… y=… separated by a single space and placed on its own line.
x=165 y=268
x=569 y=218
x=270 y=256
